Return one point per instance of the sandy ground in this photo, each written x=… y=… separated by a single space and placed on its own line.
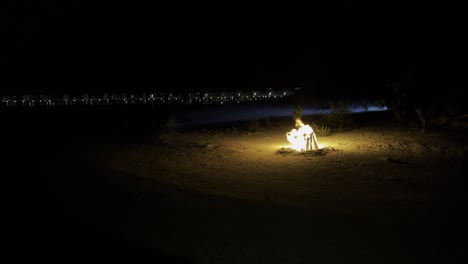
x=376 y=193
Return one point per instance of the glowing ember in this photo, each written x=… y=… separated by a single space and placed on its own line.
x=303 y=138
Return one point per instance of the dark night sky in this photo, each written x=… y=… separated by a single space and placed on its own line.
x=341 y=47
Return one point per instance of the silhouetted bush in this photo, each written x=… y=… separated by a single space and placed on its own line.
x=338 y=116
x=321 y=130
x=297 y=113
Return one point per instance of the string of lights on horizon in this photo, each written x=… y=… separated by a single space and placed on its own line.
x=142 y=98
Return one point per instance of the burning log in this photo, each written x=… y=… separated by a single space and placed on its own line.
x=303 y=138
x=314 y=141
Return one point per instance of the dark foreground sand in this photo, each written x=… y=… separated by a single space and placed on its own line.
x=377 y=193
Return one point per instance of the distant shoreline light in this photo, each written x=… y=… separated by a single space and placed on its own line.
x=144 y=98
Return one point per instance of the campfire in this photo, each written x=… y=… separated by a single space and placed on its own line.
x=302 y=138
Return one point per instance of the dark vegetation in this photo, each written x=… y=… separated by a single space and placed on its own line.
x=430 y=106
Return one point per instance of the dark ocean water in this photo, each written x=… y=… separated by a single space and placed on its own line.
x=233 y=113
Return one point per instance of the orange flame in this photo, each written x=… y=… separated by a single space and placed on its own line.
x=302 y=138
